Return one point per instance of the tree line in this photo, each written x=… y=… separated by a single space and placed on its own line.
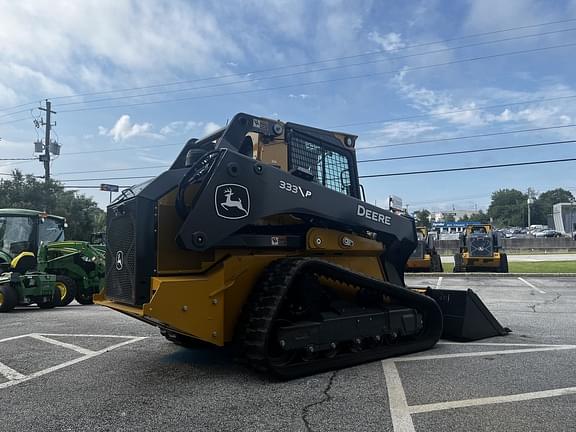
x=82 y=214
x=509 y=207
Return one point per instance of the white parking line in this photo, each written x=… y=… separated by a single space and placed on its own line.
x=416 y=409
x=399 y=409
x=531 y=286
x=486 y=353
x=439 y=282
x=401 y=412
x=14 y=377
x=10 y=373
x=62 y=344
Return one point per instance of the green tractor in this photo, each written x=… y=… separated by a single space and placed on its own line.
x=21 y=282
x=36 y=262
x=79 y=266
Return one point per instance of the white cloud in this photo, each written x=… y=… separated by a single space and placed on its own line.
x=464 y=107
x=211 y=127
x=179 y=127
x=388 y=42
x=299 y=96
x=404 y=129
x=439 y=104
x=153 y=160
x=90 y=45
x=124 y=129
x=487 y=15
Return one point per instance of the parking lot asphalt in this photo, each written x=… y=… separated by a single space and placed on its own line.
x=88 y=368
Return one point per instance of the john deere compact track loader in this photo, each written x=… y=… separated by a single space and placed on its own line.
x=424 y=258
x=258 y=236
x=480 y=251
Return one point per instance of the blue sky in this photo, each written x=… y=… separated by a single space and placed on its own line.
x=400 y=93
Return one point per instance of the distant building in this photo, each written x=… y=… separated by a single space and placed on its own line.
x=458 y=214
x=452 y=227
x=564 y=216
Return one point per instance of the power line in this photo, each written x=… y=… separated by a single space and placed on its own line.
x=107 y=178
x=460 y=111
x=14 y=121
x=407 y=143
x=18 y=159
x=324 y=81
x=89 y=187
x=121 y=149
x=469 y=168
x=375 y=52
x=283 y=67
x=480 y=150
x=292 y=74
x=373 y=175
x=15 y=112
x=488 y=149
x=112 y=170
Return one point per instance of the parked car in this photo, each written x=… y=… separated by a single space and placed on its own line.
x=547 y=233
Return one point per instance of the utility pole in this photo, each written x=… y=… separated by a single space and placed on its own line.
x=46 y=156
x=530 y=201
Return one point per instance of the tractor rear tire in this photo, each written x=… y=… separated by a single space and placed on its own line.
x=50 y=304
x=8 y=298
x=503 y=263
x=66 y=288
x=84 y=298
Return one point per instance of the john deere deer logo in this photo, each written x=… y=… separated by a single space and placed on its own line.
x=119 y=260
x=232 y=201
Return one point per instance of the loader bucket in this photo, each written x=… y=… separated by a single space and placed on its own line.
x=466 y=317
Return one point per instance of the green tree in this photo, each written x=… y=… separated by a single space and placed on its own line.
x=480 y=217
x=24 y=191
x=422 y=218
x=508 y=208
x=449 y=217
x=542 y=206
x=465 y=218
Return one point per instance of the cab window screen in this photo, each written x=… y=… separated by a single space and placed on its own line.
x=328 y=167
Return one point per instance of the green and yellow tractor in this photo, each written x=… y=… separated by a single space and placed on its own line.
x=38 y=267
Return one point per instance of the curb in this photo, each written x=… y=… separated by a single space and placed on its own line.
x=492 y=275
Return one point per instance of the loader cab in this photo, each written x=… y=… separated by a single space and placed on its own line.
x=480 y=240
x=323 y=157
x=478 y=229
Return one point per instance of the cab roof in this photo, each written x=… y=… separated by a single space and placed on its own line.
x=27 y=212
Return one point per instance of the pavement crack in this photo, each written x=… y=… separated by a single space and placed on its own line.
x=326 y=397
x=545 y=303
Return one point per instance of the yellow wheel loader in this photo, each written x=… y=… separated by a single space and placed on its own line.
x=258 y=236
x=480 y=251
x=424 y=258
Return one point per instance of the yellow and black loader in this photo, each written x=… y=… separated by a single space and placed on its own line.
x=258 y=236
x=480 y=251
x=424 y=258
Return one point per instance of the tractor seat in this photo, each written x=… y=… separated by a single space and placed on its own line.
x=24 y=262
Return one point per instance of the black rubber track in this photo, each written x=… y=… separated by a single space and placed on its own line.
x=256 y=325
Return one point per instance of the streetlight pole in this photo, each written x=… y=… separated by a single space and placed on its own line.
x=529 y=201
x=572 y=236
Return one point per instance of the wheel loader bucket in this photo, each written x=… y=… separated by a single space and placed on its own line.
x=466 y=317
